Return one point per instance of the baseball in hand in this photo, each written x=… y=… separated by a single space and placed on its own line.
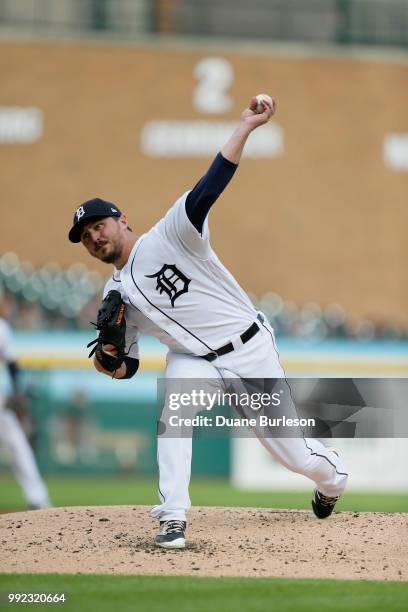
x=259 y=99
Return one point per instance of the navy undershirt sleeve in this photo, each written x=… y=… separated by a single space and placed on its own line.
x=132 y=366
x=14 y=372
x=207 y=190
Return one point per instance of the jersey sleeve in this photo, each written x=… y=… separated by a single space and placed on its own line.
x=186 y=223
x=177 y=228
x=7 y=347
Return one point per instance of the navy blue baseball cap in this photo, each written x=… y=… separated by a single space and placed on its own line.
x=90 y=210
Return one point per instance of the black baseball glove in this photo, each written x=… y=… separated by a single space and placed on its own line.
x=111 y=325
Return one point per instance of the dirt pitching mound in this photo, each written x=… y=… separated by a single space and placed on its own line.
x=221 y=542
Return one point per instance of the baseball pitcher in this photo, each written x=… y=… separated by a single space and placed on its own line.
x=169 y=283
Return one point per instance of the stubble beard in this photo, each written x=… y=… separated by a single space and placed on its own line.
x=111 y=256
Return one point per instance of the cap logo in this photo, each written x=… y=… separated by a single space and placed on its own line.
x=79 y=213
x=114 y=210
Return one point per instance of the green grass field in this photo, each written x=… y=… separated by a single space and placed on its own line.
x=187 y=594
x=93 y=491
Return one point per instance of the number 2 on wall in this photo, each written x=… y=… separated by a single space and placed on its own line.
x=215 y=76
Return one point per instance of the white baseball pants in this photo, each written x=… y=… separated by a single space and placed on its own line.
x=258 y=358
x=22 y=460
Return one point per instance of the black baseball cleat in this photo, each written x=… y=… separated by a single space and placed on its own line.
x=172 y=534
x=323 y=505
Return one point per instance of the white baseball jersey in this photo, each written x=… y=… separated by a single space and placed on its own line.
x=7 y=349
x=177 y=289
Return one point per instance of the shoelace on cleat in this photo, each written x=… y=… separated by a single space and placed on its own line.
x=325 y=500
x=173 y=526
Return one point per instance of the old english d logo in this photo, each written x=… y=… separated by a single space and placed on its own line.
x=171 y=281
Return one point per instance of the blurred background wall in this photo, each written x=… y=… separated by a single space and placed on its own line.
x=321 y=212
x=130 y=100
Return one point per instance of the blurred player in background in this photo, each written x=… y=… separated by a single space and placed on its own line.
x=12 y=436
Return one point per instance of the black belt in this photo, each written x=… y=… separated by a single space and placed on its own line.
x=228 y=348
